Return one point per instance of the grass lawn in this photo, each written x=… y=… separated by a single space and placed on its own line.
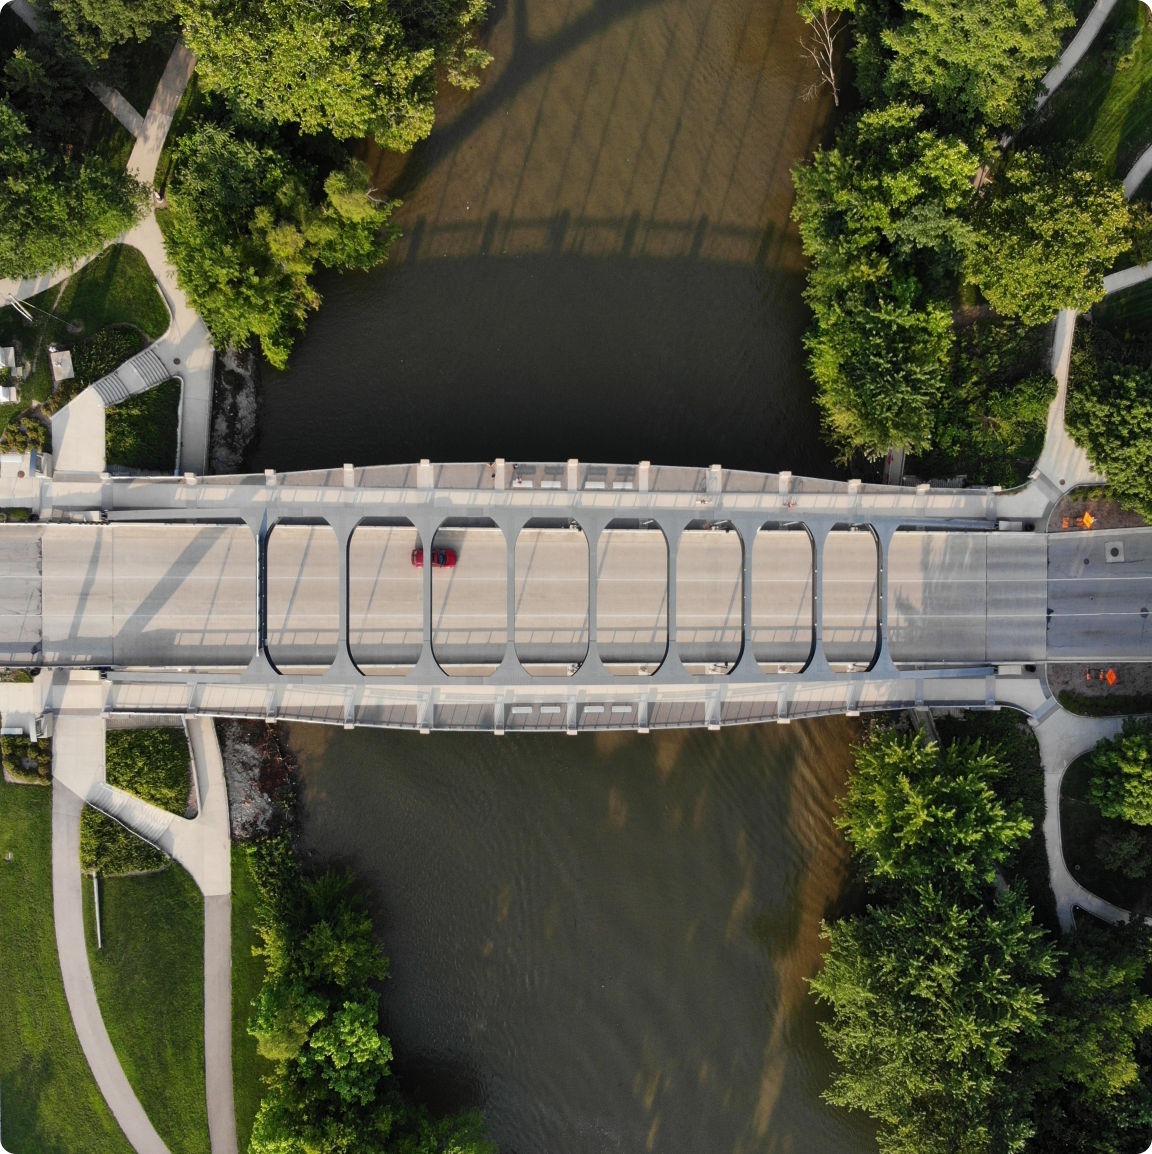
x=140 y=433
x=149 y=981
x=1107 y=101
x=1126 y=314
x=116 y=288
x=51 y=1103
x=1080 y=825
x=248 y=1067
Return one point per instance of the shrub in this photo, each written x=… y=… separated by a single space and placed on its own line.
x=1121 y=783
x=140 y=432
x=23 y=434
x=154 y=765
x=1124 y=851
x=26 y=760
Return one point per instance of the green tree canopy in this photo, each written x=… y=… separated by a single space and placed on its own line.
x=879 y=356
x=95 y=27
x=353 y=68
x=1047 y=232
x=54 y=210
x=1109 y=414
x=919 y=813
x=245 y=235
x=930 y=999
x=879 y=218
x=318 y=1018
x=1122 y=774
x=979 y=64
x=1091 y=1092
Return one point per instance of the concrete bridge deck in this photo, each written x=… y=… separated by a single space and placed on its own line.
x=582 y=596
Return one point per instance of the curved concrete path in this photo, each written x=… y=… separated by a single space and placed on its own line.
x=201 y=845
x=68 y=914
x=1064 y=737
x=1072 y=55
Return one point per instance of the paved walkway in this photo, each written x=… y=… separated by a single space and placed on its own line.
x=1072 y=55
x=201 y=845
x=1064 y=737
x=186 y=348
x=79 y=744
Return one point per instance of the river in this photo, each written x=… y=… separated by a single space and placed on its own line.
x=597 y=259
x=602 y=941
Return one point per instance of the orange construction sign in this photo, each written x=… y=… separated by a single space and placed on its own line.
x=1110 y=677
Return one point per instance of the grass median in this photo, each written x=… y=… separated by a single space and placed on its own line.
x=149 y=980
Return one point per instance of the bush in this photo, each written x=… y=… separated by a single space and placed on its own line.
x=23 y=434
x=140 y=432
x=1121 y=705
x=1122 y=774
x=1124 y=851
x=154 y=765
x=26 y=760
x=94 y=358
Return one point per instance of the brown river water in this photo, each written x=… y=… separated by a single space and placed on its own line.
x=602 y=941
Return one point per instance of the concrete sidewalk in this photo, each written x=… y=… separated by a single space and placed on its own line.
x=201 y=845
x=1072 y=55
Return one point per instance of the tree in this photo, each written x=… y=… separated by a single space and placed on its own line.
x=350 y=67
x=245 y=235
x=824 y=27
x=1109 y=415
x=1046 y=234
x=879 y=357
x=54 y=210
x=918 y=813
x=880 y=219
x=1091 y=1094
x=1122 y=774
x=317 y=1017
x=979 y=64
x=95 y=27
x=931 y=999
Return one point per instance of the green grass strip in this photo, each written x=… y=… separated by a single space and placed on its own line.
x=149 y=980
x=248 y=1067
x=51 y=1104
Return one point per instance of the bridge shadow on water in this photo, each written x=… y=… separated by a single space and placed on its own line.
x=597 y=258
x=545 y=358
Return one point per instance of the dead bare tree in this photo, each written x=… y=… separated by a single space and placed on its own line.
x=825 y=23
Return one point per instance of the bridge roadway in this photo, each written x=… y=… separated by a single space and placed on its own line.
x=583 y=597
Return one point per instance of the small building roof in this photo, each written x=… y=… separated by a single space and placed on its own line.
x=61 y=365
x=7 y=357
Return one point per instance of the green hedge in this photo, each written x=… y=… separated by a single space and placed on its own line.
x=140 y=432
x=153 y=764
x=26 y=761
x=1120 y=705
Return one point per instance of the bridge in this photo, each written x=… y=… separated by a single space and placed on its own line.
x=584 y=597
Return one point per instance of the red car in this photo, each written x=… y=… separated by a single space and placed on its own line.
x=441 y=558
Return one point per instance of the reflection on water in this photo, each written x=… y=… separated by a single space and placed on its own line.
x=597 y=259
x=602 y=941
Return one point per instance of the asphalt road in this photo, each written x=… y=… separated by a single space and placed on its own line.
x=1097 y=610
